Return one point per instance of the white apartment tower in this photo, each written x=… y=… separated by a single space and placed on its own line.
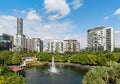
x=20 y=41
x=55 y=46
x=36 y=45
x=109 y=39
x=100 y=38
x=71 y=45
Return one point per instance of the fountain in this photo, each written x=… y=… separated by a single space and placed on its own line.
x=52 y=68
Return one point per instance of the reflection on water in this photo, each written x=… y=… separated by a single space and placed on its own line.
x=67 y=75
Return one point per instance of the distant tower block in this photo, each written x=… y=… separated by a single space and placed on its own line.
x=19 y=26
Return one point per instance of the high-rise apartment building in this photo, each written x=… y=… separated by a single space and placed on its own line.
x=21 y=41
x=25 y=43
x=109 y=39
x=71 y=45
x=36 y=44
x=19 y=26
x=55 y=46
x=28 y=44
x=100 y=38
x=20 y=37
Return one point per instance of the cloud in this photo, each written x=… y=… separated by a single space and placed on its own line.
x=54 y=17
x=38 y=29
x=24 y=11
x=32 y=15
x=56 y=8
x=56 y=30
x=117 y=12
x=1 y=26
x=106 y=18
x=47 y=26
x=76 y=4
x=8 y=17
x=8 y=24
x=117 y=31
x=2 y=29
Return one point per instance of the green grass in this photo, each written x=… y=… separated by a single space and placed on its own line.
x=35 y=63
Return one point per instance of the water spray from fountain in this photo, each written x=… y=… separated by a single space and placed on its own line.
x=52 y=68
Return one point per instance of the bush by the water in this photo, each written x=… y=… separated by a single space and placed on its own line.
x=109 y=74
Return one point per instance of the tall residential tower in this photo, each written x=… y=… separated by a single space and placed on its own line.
x=19 y=26
x=100 y=38
x=36 y=45
x=20 y=37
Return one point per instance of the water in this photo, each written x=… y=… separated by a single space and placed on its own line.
x=67 y=75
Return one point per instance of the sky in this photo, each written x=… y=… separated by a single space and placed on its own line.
x=60 y=19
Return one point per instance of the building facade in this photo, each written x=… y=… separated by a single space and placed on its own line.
x=6 y=42
x=19 y=26
x=21 y=41
x=109 y=39
x=36 y=44
x=25 y=43
x=55 y=46
x=28 y=44
x=20 y=37
x=71 y=45
x=100 y=38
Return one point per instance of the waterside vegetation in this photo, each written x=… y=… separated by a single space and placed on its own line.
x=83 y=57
x=109 y=74
x=35 y=64
x=8 y=77
x=105 y=72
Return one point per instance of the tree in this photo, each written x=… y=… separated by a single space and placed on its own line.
x=6 y=56
x=109 y=74
x=117 y=50
x=91 y=59
x=43 y=56
x=96 y=75
x=15 y=79
x=16 y=59
x=8 y=77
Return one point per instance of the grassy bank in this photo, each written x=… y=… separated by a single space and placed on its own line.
x=35 y=63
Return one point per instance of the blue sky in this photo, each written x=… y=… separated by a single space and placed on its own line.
x=60 y=19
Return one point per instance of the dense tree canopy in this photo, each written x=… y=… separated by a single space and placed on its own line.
x=8 y=77
x=82 y=57
x=109 y=74
x=16 y=59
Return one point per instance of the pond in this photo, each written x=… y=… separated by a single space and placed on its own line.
x=65 y=75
